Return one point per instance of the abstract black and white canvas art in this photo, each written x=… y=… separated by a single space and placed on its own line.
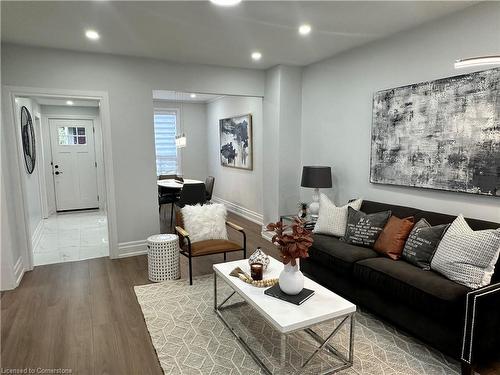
x=236 y=142
x=442 y=134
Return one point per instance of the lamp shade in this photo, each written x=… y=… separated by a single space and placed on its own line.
x=316 y=177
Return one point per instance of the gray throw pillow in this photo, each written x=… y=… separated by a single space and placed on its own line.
x=466 y=256
x=422 y=243
x=364 y=229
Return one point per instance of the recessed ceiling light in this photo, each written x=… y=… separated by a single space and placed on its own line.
x=69 y=102
x=225 y=3
x=256 y=55
x=92 y=34
x=304 y=29
x=192 y=96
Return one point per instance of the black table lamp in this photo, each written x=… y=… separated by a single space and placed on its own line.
x=316 y=177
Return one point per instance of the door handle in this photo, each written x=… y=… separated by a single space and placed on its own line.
x=57 y=172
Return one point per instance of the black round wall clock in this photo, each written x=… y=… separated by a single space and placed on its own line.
x=28 y=139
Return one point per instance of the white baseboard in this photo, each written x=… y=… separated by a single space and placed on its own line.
x=132 y=248
x=37 y=235
x=240 y=210
x=266 y=234
x=18 y=271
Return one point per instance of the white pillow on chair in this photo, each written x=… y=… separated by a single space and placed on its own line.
x=207 y=222
x=332 y=220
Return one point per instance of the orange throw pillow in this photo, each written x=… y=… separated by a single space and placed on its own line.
x=393 y=237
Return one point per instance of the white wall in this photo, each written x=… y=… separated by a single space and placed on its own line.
x=49 y=111
x=337 y=104
x=32 y=181
x=282 y=168
x=240 y=189
x=129 y=83
x=193 y=122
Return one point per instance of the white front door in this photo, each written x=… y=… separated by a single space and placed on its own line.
x=74 y=164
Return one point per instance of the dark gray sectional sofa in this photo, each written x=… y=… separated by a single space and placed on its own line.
x=460 y=322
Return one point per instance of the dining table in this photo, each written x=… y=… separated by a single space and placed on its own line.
x=175 y=184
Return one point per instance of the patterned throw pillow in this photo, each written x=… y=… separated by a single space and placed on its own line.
x=364 y=229
x=422 y=243
x=332 y=220
x=466 y=256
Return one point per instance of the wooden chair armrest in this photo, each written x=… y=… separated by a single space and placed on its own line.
x=181 y=231
x=234 y=226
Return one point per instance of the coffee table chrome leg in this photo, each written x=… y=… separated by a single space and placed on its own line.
x=346 y=362
x=283 y=338
x=351 y=339
x=217 y=307
x=215 y=291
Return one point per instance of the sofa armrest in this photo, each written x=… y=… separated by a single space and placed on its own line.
x=482 y=321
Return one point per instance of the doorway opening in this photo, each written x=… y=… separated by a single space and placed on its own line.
x=65 y=198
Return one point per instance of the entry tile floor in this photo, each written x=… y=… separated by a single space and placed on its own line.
x=72 y=236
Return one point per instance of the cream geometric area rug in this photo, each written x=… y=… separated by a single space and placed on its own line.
x=189 y=338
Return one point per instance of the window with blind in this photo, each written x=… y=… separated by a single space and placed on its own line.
x=165 y=123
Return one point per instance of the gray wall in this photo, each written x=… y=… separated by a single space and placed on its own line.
x=193 y=122
x=129 y=83
x=241 y=188
x=337 y=104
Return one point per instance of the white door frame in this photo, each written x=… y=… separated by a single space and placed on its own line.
x=98 y=149
x=42 y=167
x=11 y=92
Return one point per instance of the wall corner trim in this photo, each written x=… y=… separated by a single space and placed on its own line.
x=18 y=271
x=37 y=234
x=132 y=248
x=240 y=210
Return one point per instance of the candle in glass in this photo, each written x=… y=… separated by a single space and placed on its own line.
x=256 y=270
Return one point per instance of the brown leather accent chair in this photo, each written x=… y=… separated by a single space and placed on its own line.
x=207 y=247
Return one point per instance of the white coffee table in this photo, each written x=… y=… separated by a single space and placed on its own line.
x=286 y=317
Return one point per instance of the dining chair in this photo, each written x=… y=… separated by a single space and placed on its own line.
x=209 y=186
x=206 y=247
x=192 y=194
x=167 y=196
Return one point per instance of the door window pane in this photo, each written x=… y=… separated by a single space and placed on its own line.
x=71 y=135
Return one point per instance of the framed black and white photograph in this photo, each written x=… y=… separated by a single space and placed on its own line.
x=236 y=143
x=442 y=134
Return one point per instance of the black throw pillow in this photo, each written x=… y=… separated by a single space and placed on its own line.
x=364 y=229
x=422 y=243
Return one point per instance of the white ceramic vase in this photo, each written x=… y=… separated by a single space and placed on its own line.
x=291 y=280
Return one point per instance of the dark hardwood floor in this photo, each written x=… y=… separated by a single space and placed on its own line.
x=84 y=315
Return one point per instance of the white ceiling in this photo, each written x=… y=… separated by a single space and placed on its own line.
x=177 y=96
x=44 y=100
x=200 y=32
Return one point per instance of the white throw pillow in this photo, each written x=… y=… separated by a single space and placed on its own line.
x=207 y=222
x=332 y=220
x=466 y=256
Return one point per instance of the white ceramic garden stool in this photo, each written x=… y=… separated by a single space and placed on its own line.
x=163 y=257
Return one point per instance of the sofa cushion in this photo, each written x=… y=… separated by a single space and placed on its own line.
x=337 y=255
x=426 y=291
